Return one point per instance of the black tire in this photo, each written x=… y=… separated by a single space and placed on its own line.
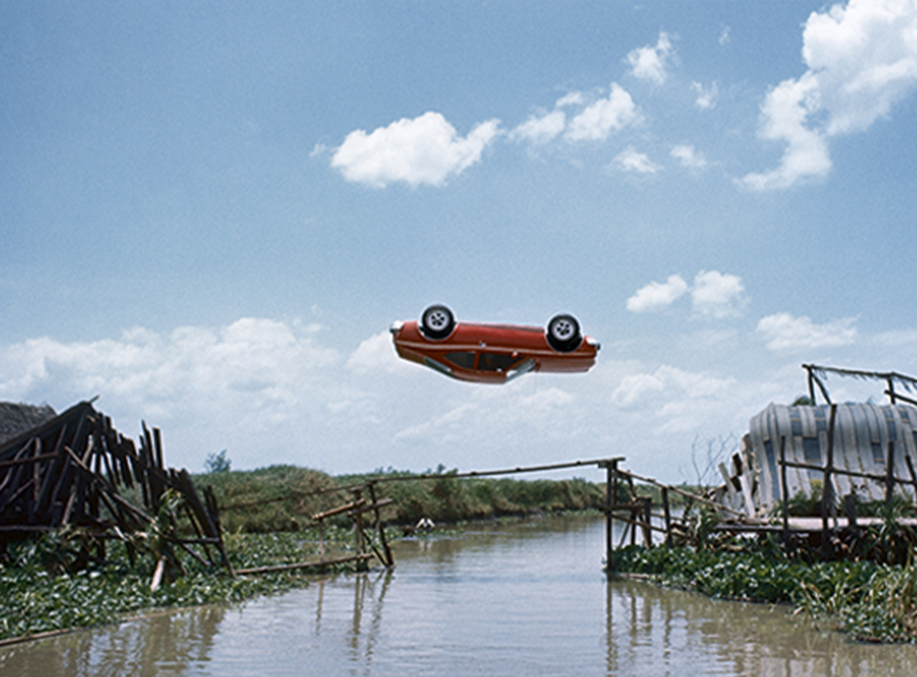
x=563 y=333
x=437 y=322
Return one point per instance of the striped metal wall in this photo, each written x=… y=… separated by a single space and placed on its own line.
x=862 y=434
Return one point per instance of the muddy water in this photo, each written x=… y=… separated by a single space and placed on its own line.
x=525 y=599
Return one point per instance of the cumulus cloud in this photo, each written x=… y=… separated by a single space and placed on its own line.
x=650 y=62
x=716 y=294
x=656 y=295
x=424 y=150
x=539 y=130
x=375 y=354
x=861 y=59
x=262 y=360
x=713 y=294
x=671 y=399
x=595 y=121
x=631 y=160
x=783 y=331
x=598 y=120
x=687 y=156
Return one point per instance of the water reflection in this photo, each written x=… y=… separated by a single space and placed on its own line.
x=525 y=600
x=168 y=643
x=652 y=631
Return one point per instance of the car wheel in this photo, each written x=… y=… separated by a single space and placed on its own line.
x=437 y=322
x=563 y=333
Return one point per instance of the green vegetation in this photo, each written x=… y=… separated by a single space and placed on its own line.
x=33 y=600
x=446 y=498
x=869 y=600
x=284 y=498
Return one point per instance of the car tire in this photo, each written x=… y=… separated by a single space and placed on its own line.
x=437 y=322
x=563 y=333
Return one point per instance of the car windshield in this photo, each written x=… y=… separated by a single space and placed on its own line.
x=496 y=361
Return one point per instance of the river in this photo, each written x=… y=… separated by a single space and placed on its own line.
x=507 y=599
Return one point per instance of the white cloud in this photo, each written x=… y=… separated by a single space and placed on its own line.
x=671 y=399
x=706 y=96
x=571 y=99
x=631 y=160
x=716 y=294
x=425 y=150
x=657 y=294
x=603 y=117
x=541 y=130
x=783 y=331
x=862 y=59
x=865 y=58
x=687 y=156
x=784 y=116
x=713 y=294
x=264 y=360
x=375 y=354
x=649 y=63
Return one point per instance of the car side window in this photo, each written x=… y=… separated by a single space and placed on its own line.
x=496 y=362
x=463 y=360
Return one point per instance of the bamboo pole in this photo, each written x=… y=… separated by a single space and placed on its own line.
x=890 y=474
x=784 y=494
x=826 y=492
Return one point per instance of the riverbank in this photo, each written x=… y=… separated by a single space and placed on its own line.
x=284 y=498
x=868 y=601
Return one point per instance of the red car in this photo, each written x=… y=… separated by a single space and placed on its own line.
x=493 y=353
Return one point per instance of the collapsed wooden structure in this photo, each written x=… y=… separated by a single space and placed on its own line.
x=836 y=456
x=365 y=548
x=75 y=475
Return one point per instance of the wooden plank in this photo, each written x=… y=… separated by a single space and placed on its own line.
x=305 y=565
x=337 y=511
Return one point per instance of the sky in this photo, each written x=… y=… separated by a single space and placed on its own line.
x=211 y=213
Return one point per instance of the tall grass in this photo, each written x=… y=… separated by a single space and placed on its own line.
x=284 y=498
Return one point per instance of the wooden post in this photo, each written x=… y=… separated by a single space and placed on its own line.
x=389 y=560
x=890 y=474
x=647 y=516
x=910 y=469
x=611 y=500
x=358 y=529
x=850 y=509
x=784 y=491
x=668 y=516
x=826 y=493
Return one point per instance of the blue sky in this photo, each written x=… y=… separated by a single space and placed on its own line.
x=210 y=213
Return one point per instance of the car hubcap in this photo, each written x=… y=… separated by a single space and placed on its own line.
x=437 y=320
x=563 y=330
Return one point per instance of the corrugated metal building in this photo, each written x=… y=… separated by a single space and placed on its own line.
x=861 y=443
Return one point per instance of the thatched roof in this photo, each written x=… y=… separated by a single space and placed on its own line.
x=16 y=419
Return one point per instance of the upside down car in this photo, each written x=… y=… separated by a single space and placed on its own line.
x=493 y=353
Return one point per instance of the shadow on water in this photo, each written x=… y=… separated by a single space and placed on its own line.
x=519 y=599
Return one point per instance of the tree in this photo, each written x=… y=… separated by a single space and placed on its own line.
x=217 y=462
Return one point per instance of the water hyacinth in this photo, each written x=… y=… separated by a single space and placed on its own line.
x=33 y=601
x=870 y=601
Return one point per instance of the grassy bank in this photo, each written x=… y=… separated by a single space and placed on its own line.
x=284 y=498
x=871 y=602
